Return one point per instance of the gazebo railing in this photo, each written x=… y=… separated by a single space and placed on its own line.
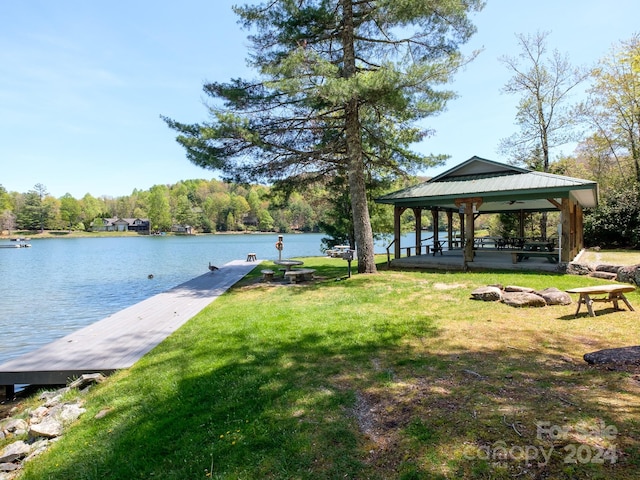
x=408 y=249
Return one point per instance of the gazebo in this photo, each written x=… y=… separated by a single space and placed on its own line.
x=480 y=186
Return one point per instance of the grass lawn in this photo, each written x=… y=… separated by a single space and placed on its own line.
x=391 y=376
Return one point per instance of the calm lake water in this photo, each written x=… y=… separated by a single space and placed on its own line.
x=61 y=285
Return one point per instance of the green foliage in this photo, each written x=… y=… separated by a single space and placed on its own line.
x=612 y=106
x=70 y=210
x=616 y=221
x=33 y=212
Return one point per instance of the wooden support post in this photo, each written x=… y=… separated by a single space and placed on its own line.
x=565 y=216
x=397 y=212
x=450 y=229
x=9 y=391
x=436 y=226
x=467 y=206
x=417 y=212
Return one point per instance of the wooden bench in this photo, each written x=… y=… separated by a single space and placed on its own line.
x=251 y=257
x=267 y=275
x=614 y=294
x=299 y=274
x=520 y=255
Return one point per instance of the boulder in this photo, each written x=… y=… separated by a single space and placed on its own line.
x=516 y=288
x=14 y=451
x=614 y=356
x=69 y=413
x=487 y=294
x=523 y=299
x=607 y=268
x=86 y=380
x=47 y=428
x=578 y=269
x=15 y=426
x=630 y=274
x=604 y=275
x=8 y=467
x=553 y=296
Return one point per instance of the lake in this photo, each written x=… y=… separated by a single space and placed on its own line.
x=61 y=285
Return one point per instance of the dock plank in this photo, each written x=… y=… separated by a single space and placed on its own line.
x=121 y=339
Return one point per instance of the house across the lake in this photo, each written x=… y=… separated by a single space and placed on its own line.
x=117 y=224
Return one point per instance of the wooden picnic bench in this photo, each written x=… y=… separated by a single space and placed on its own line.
x=299 y=274
x=518 y=256
x=614 y=294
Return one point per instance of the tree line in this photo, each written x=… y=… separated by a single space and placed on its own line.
x=206 y=205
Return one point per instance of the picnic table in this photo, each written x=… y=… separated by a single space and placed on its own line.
x=338 y=251
x=287 y=264
x=614 y=294
x=538 y=246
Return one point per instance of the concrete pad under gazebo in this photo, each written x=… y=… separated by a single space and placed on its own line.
x=480 y=186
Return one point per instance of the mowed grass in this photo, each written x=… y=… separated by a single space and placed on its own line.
x=398 y=375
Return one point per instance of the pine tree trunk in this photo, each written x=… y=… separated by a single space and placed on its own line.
x=357 y=188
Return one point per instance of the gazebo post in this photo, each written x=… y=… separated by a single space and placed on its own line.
x=417 y=213
x=436 y=226
x=450 y=229
x=567 y=234
x=467 y=206
x=397 y=213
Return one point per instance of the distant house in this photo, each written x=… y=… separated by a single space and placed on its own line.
x=250 y=220
x=117 y=224
x=186 y=229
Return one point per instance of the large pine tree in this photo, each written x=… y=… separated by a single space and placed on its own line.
x=342 y=85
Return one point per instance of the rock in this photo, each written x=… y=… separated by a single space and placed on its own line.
x=37 y=448
x=487 y=294
x=37 y=414
x=605 y=275
x=553 y=296
x=616 y=356
x=630 y=274
x=516 y=288
x=102 y=413
x=578 y=269
x=69 y=413
x=8 y=467
x=53 y=401
x=48 y=428
x=607 y=268
x=48 y=395
x=15 y=426
x=523 y=299
x=14 y=451
x=87 y=379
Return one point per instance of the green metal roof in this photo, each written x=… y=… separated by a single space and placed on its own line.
x=502 y=188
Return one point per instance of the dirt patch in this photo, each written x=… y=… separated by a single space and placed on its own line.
x=448 y=286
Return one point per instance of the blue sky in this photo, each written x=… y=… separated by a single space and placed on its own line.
x=83 y=84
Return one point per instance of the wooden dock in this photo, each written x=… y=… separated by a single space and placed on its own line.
x=118 y=341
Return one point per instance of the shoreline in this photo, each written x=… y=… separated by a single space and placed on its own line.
x=47 y=234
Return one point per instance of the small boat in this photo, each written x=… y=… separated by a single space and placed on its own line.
x=19 y=244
